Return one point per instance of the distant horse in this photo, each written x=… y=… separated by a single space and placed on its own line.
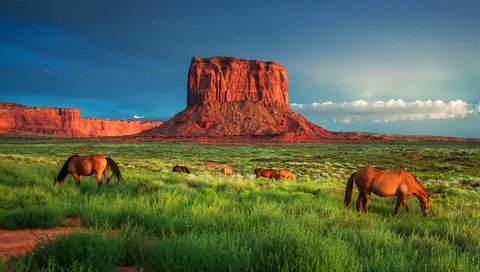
x=398 y=183
x=88 y=165
x=180 y=169
x=284 y=173
x=84 y=149
x=266 y=173
x=227 y=171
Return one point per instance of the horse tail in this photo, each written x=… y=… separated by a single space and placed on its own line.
x=115 y=170
x=349 y=189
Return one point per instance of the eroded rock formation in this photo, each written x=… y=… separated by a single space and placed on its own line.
x=226 y=79
x=16 y=119
x=235 y=100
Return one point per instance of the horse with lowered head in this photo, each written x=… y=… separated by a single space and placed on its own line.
x=181 y=169
x=398 y=183
x=88 y=165
x=285 y=173
x=266 y=173
x=227 y=171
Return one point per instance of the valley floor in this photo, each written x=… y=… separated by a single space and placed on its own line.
x=205 y=221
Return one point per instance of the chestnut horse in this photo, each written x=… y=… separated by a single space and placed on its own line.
x=285 y=174
x=227 y=171
x=398 y=183
x=88 y=165
x=266 y=173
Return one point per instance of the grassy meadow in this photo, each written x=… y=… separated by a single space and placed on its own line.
x=205 y=221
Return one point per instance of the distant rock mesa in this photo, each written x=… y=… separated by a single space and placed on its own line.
x=236 y=100
x=16 y=119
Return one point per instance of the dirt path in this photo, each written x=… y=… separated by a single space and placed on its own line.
x=15 y=242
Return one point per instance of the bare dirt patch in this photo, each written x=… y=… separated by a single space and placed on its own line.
x=18 y=242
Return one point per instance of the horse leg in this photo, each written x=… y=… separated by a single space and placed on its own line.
x=99 y=179
x=359 y=201
x=365 y=202
x=105 y=174
x=76 y=177
x=399 y=203
x=406 y=205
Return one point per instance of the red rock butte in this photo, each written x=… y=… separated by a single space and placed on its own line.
x=226 y=79
x=237 y=100
x=16 y=119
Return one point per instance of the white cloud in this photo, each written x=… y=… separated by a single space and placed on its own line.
x=387 y=111
x=48 y=71
x=138 y=117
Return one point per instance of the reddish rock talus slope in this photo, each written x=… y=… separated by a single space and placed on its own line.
x=17 y=119
x=231 y=99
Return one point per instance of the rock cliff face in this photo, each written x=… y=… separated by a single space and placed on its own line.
x=18 y=119
x=226 y=79
x=234 y=100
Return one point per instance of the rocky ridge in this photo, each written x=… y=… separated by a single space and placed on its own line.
x=16 y=119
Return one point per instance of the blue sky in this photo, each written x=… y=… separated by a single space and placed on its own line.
x=409 y=67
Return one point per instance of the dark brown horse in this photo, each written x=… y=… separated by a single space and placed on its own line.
x=266 y=173
x=88 y=165
x=181 y=169
x=398 y=183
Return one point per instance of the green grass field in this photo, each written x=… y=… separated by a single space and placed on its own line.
x=205 y=221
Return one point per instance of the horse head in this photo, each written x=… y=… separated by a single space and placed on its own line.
x=57 y=181
x=425 y=204
x=277 y=175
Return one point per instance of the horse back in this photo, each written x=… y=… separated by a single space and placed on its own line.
x=384 y=183
x=284 y=173
x=227 y=171
x=87 y=165
x=269 y=173
x=180 y=169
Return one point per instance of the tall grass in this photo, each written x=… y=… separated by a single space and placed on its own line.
x=206 y=221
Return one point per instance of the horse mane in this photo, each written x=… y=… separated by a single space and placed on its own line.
x=421 y=186
x=64 y=171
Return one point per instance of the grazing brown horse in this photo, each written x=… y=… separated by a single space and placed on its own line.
x=284 y=173
x=181 y=169
x=88 y=165
x=266 y=173
x=227 y=171
x=398 y=183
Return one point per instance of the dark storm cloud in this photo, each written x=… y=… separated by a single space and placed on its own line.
x=125 y=58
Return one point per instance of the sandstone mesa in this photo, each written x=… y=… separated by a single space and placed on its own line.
x=230 y=99
x=16 y=119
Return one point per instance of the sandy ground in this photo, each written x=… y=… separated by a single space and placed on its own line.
x=17 y=242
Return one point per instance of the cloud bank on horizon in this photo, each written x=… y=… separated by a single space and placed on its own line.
x=361 y=111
